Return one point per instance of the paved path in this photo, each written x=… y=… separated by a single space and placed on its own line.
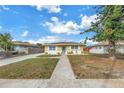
x=62 y=77
x=17 y=59
x=63 y=69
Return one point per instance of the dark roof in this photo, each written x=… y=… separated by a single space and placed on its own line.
x=24 y=43
x=64 y=43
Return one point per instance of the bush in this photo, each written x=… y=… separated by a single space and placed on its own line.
x=82 y=52
x=46 y=53
x=58 y=53
x=71 y=52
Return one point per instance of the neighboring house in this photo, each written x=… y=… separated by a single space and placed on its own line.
x=1 y=49
x=64 y=47
x=26 y=48
x=87 y=49
x=2 y=53
x=102 y=48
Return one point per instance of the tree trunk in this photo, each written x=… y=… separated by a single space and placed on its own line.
x=112 y=57
x=112 y=50
x=6 y=48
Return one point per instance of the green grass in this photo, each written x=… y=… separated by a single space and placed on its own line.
x=34 y=68
x=49 y=56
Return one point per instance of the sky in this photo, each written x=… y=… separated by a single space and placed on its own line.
x=46 y=24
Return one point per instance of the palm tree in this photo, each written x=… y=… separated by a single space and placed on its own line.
x=6 y=41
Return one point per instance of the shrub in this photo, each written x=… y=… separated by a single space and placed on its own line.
x=46 y=53
x=82 y=52
x=70 y=52
x=58 y=53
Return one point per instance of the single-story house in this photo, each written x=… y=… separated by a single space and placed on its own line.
x=26 y=47
x=102 y=48
x=64 y=47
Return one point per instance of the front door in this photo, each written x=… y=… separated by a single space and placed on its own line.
x=63 y=49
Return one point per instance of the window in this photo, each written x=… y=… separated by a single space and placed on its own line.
x=74 y=47
x=51 y=47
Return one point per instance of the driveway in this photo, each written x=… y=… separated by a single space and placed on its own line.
x=17 y=59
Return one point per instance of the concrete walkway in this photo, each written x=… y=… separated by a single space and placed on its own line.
x=63 y=75
x=63 y=69
x=17 y=59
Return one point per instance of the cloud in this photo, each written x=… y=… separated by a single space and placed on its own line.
x=62 y=27
x=50 y=8
x=70 y=27
x=86 y=21
x=14 y=40
x=25 y=33
x=54 y=19
x=46 y=39
x=81 y=15
x=2 y=7
x=89 y=42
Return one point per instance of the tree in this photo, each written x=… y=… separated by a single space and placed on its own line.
x=85 y=41
x=6 y=41
x=39 y=44
x=109 y=26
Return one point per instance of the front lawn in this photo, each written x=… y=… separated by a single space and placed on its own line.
x=35 y=68
x=95 y=67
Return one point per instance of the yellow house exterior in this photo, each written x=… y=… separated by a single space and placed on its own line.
x=64 y=47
